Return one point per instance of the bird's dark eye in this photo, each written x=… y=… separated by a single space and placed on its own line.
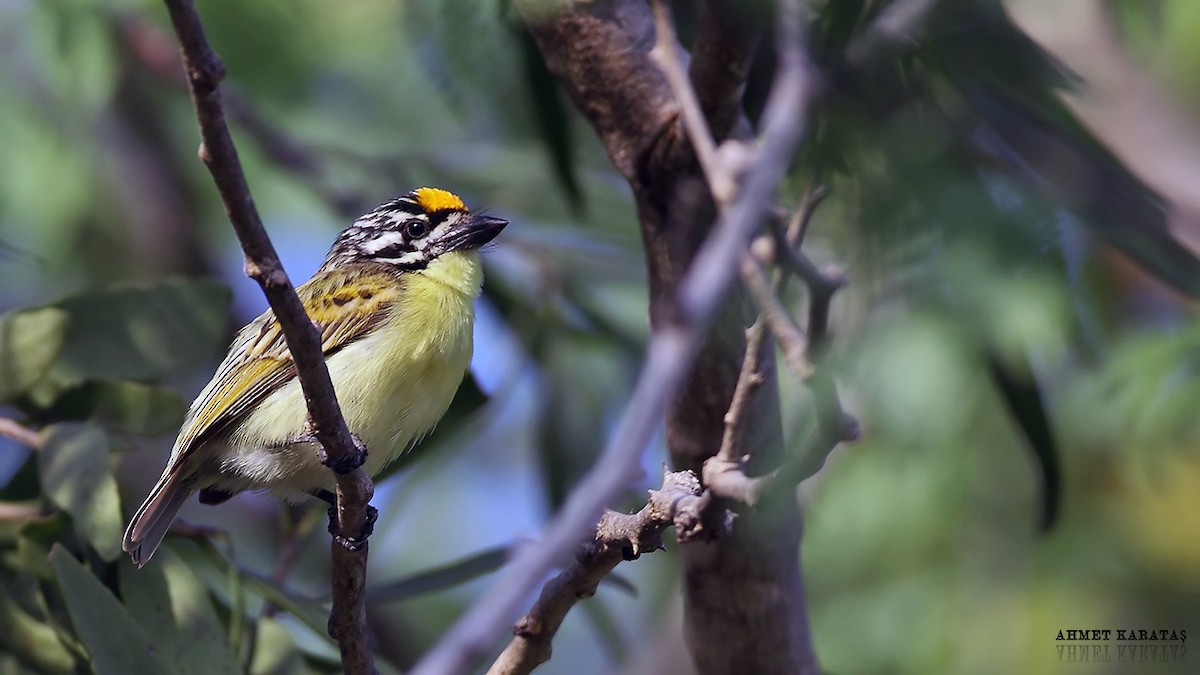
x=415 y=229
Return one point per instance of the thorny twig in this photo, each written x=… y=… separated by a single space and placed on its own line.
x=724 y=473
x=772 y=312
x=680 y=502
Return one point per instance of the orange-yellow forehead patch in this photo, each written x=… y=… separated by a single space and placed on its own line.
x=433 y=200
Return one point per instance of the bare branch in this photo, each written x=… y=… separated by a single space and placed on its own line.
x=749 y=379
x=775 y=316
x=13 y=512
x=23 y=435
x=797 y=226
x=680 y=502
x=821 y=287
x=721 y=168
x=799 y=264
x=666 y=55
x=343 y=453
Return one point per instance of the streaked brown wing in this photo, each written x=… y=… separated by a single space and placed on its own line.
x=345 y=306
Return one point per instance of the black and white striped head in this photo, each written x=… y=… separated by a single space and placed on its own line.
x=411 y=231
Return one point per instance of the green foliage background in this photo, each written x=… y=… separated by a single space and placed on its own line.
x=921 y=552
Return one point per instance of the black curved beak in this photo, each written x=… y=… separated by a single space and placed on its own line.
x=476 y=231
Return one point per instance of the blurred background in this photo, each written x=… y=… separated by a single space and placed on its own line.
x=970 y=290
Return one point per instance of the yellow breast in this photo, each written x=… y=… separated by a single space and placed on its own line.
x=393 y=384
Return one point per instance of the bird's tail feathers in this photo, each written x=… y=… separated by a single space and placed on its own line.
x=151 y=522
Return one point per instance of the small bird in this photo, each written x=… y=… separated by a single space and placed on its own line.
x=394 y=302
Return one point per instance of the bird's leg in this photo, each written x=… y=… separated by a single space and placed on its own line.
x=212 y=495
x=325 y=495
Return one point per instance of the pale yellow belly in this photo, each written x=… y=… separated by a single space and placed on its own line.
x=393 y=386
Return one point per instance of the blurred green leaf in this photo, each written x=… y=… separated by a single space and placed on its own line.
x=439 y=578
x=137 y=332
x=175 y=610
x=608 y=629
x=553 y=119
x=619 y=582
x=276 y=652
x=1010 y=116
x=128 y=407
x=45 y=530
x=575 y=419
x=14 y=516
x=33 y=545
x=1147 y=392
x=116 y=643
x=226 y=581
x=77 y=477
x=310 y=612
x=77 y=52
x=29 y=341
x=835 y=25
x=1018 y=388
x=32 y=642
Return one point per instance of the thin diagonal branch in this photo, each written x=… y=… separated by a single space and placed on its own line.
x=666 y=55
x=774 y=316
x=23 y=435
x=797 y=227
x=749 y=379
x=347 y=621
x=724 y=473
x=783 y=122
x=679 y=502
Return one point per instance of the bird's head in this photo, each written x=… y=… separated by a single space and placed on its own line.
x=412 y=231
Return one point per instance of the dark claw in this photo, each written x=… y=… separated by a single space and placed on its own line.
x=350 y=463
x=353 y=543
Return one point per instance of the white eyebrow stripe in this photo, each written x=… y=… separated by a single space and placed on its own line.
x=373 y=246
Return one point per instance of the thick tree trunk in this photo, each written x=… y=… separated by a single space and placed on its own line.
x=745 y=609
